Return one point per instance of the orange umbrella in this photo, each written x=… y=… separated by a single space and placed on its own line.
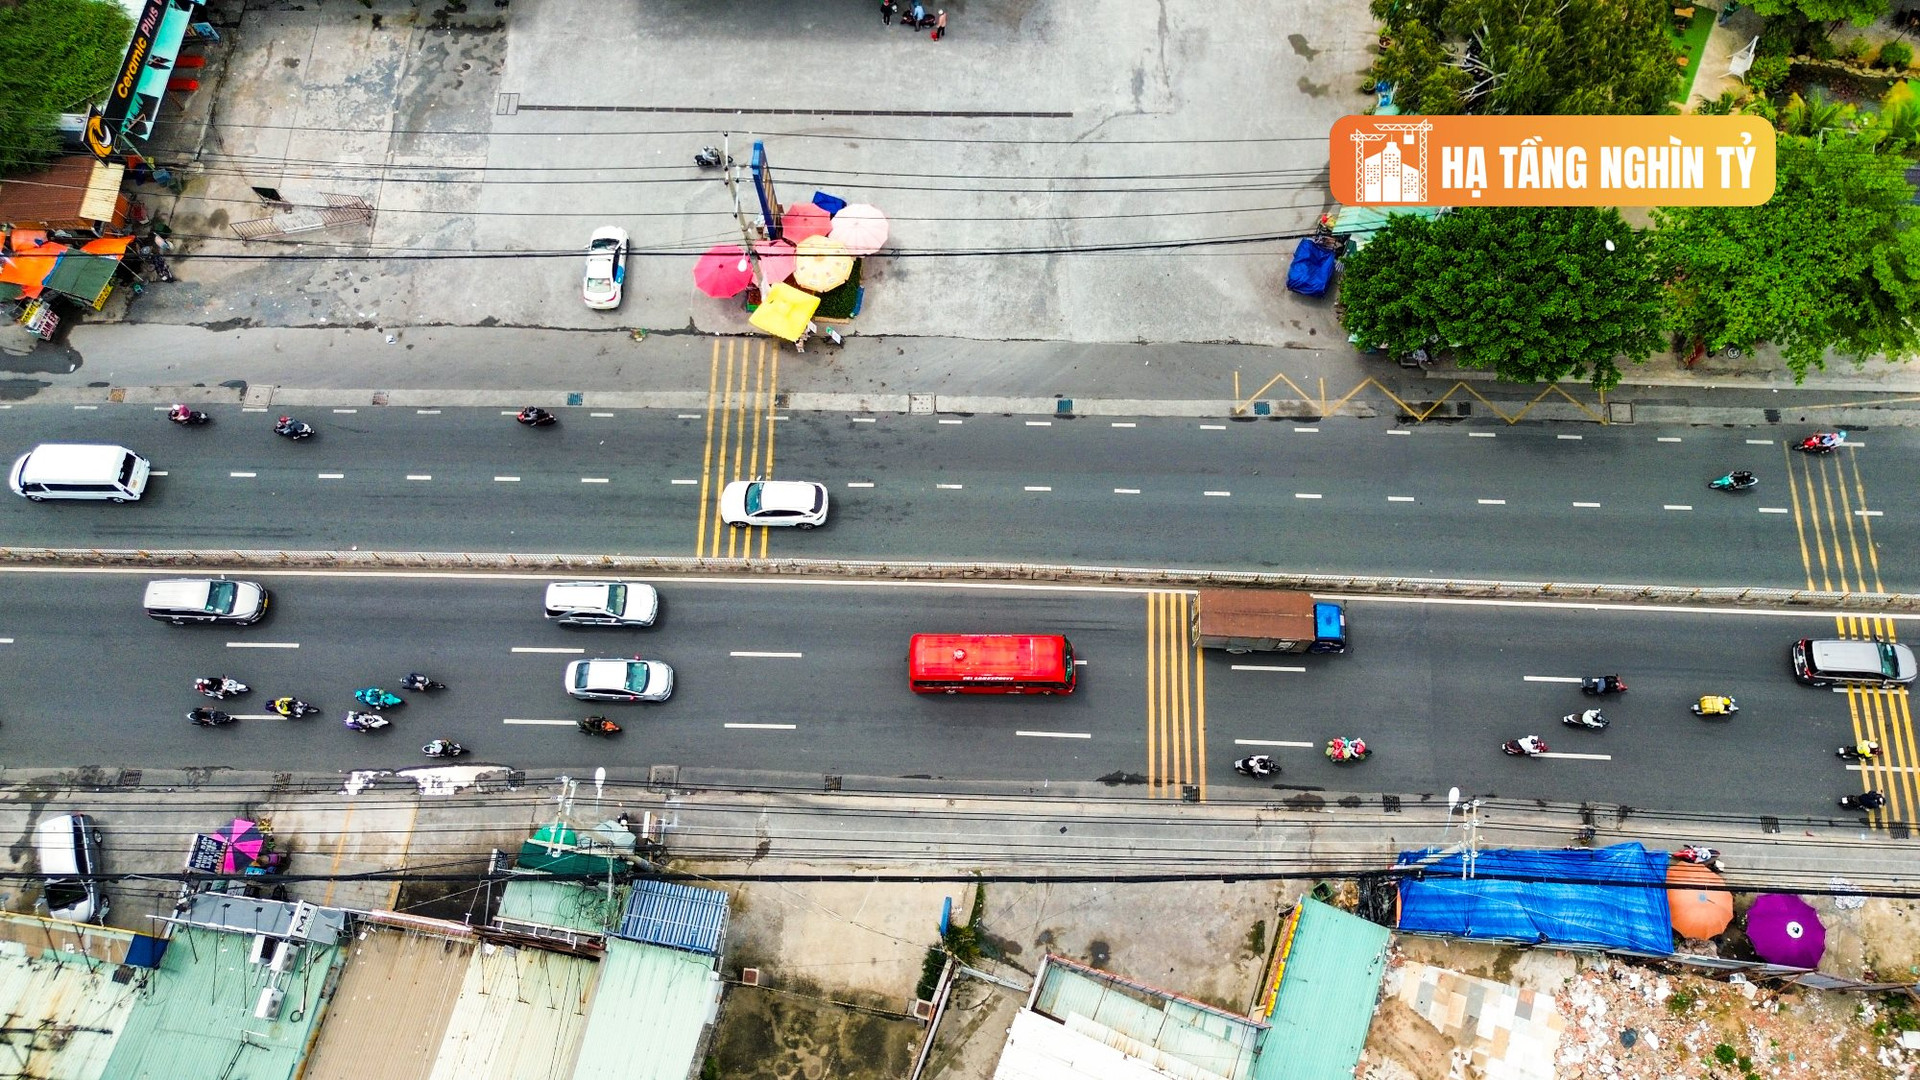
x=1697 y=912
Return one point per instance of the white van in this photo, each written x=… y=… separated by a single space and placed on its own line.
x=80 y=471
x=69 y=851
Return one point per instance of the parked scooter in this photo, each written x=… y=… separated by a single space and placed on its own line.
x=1699 y=855
x=710 y=157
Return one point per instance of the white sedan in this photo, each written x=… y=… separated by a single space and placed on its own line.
x=619 y=680
x=801 y=504
x=606 y=268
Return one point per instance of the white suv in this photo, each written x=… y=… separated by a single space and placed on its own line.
x=602 y=603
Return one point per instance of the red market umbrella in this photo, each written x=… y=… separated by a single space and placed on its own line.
x=803 y=220
x=861 y=227
x=723 y=271
x=776 y=260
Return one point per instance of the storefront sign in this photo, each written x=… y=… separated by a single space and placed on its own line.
x=104 y=121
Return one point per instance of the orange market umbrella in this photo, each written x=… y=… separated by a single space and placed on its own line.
x=784 y=311
x=1697 y=912
x=861 y=227
x=803 y=220
x=822 y=265
x=776 y=260
x=723 y=271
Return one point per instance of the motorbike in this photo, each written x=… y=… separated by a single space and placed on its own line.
x=220 y=687
x=1592 y=718
x=710 y=157
x=1342 y=750
x=1523 y=747
x=1259 y=766
x=1597 y=685
x=533 y=416
x=1712 y=705
x=365 y=721
x=599 y=725
x=1734 y=481
x=420 y=681
x=1871 y=800
x=1822 y=442
x=1864 y=750
x=293 y=708
x=186 y=417
x=443 y=748
x=1700 y=855
x=293 y=429
x=209 y=717
x=377 y=699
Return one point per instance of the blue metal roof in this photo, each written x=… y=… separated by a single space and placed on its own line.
x=677 y=916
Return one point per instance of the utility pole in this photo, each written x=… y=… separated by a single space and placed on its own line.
x=748 y=233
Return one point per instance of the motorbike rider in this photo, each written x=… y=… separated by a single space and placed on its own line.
x=1866 y=748
x=180 y=413
x=1742 y=478
x=1262 y=765
x=1531 y=744
x=204 y=716
x=1871 y=800
x=416 y=681
x=284 y=705
x=533 y=414
x=441 y=748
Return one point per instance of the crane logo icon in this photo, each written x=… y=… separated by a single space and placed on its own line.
x=1390 y=162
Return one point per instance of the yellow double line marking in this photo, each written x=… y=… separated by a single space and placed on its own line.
x=1829 y=500
x=742 y=388
x=1176 y=699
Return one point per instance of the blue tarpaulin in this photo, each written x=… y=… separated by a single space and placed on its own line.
x=1312 y=269
x=1613 y=898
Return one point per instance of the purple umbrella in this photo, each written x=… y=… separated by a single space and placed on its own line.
x=1786 y=930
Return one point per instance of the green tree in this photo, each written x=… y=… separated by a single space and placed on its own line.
x=1524 y=57
x=1530 y=293
x=1857 y=12
x=55 y=56
x=1831 y=262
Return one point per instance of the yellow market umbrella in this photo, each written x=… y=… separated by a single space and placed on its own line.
x=784 y=311
x=823 y=263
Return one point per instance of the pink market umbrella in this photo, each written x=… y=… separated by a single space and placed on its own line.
x=243 y=842
x=823 y=264
x=1786 y=930
x=723 y=271
x=776 y=260
x=803 y=220
x=861 y=227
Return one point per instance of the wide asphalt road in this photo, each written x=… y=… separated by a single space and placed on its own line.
x=811 y=679
x=1626 y=504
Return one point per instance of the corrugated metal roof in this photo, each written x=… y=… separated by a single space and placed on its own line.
x=1141 y=1020
x=63 y=1014
x=1327 y=993
x=519 y=1016
x=195 y=1014
x=390 y=1013
x=649 y=1010
x=562 y=904
x=677 y=916
x=1039 y=1048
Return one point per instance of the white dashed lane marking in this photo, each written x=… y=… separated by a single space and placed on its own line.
x=1491 y=502
x=1126 y=491
x=1676 y=506
x=1482 y=434
x=1039 y=423
x=767 y=655
x=1118 y=423
x=1218 y=494
x=1263 y=667
x=593 y=479
x=1306 y=495
x=506 y=479
x=953 y=421
x=1037 y=487
x=949 y=487
x=331 y=476
x=1055 y=734
x=541 y=723
x=1550 y=678
x=1400 y=498
x=859 y=483
x=419 y=476
x=1589 y=506
x=242 y=475
x=1773 y=509
x=541 y=649
x=263 y=644
x=685 y=483
x=866 y=419
x=1668 y=438
x=1570 y=438
x=1272 y=742
x=761 y=727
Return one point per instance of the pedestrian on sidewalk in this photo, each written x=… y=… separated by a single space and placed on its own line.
x=940 y=25
x=887 y=8
x=916 y=16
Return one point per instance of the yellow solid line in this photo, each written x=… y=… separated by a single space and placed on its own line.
x=1903 y=722
x=753 y=469
x=1866 y=523
x=720 y=476
x=1799 y=523
x=1153 y=742
x=1199 y=707
x=773 y=396
x=739 y=407
x=1183 y=766
x=707 y=495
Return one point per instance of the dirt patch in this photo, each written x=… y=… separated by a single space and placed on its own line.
x=767 y=1034
x=973 y=1031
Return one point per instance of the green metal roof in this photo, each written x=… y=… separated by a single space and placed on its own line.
x=195 y=1016
x=552 y=850
x=649 y=1009
x=562 y=904
x=1327 y=993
